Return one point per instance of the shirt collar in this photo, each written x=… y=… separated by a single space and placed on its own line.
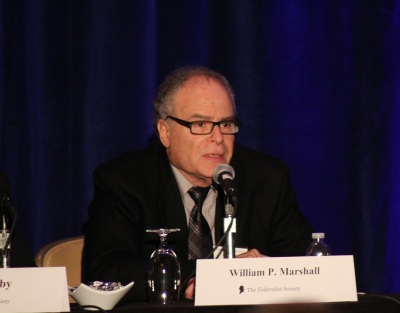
x=183 y=184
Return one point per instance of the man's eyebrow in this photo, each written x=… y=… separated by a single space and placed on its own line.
x=209 y=118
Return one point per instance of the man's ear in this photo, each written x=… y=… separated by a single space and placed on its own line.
x=163 y=132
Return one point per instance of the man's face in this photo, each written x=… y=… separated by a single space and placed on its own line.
x=196 y=156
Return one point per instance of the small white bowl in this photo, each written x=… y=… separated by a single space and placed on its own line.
x=106 y=300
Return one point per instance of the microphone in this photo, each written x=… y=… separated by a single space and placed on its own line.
x=224 y=175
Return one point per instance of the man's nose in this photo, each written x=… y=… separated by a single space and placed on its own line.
x=216 y=134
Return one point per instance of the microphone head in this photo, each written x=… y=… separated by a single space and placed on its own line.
x=223 y=169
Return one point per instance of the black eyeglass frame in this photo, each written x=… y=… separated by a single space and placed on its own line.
x=189 y=124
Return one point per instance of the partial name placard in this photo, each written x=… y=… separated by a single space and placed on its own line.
x=42 y=289
x=270 y=280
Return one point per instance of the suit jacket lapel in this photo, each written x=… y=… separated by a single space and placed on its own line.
x=171 y=208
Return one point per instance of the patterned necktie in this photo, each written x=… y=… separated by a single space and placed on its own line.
x=200 y=241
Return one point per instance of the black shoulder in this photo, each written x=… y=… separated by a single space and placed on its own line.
x=133 y=161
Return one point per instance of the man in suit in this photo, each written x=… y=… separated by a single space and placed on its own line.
x=195 y=118
x=20 y=255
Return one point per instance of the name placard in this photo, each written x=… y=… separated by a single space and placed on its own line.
x=243 y=281
x=42 y=289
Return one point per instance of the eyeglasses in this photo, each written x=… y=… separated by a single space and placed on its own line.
x=227 y=127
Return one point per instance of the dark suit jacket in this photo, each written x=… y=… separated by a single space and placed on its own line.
x=21 y=255
x=138 y=191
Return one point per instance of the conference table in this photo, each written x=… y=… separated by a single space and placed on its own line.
x=368 y=303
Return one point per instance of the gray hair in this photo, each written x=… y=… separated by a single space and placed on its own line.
x=164 y=104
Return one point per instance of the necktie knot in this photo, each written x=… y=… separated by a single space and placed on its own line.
x=198 y=194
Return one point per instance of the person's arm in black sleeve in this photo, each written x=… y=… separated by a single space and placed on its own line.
x=113 y=238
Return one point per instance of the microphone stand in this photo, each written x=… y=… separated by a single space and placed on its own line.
x=230 y=230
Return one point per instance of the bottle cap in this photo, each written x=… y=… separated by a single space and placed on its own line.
x=318 y=235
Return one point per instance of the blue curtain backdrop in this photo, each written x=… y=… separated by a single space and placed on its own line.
x=317 y=84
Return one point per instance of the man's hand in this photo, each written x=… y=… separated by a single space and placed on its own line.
x=189 y=292
x=253 y=253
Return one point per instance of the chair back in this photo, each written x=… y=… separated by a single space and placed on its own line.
x=65 y=252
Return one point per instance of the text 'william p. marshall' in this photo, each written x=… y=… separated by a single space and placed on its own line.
x=247 y=272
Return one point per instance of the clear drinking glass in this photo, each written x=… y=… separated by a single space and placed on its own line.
x=163 y=271
x=5 y=256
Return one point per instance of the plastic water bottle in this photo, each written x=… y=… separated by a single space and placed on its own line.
x=318 y=247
